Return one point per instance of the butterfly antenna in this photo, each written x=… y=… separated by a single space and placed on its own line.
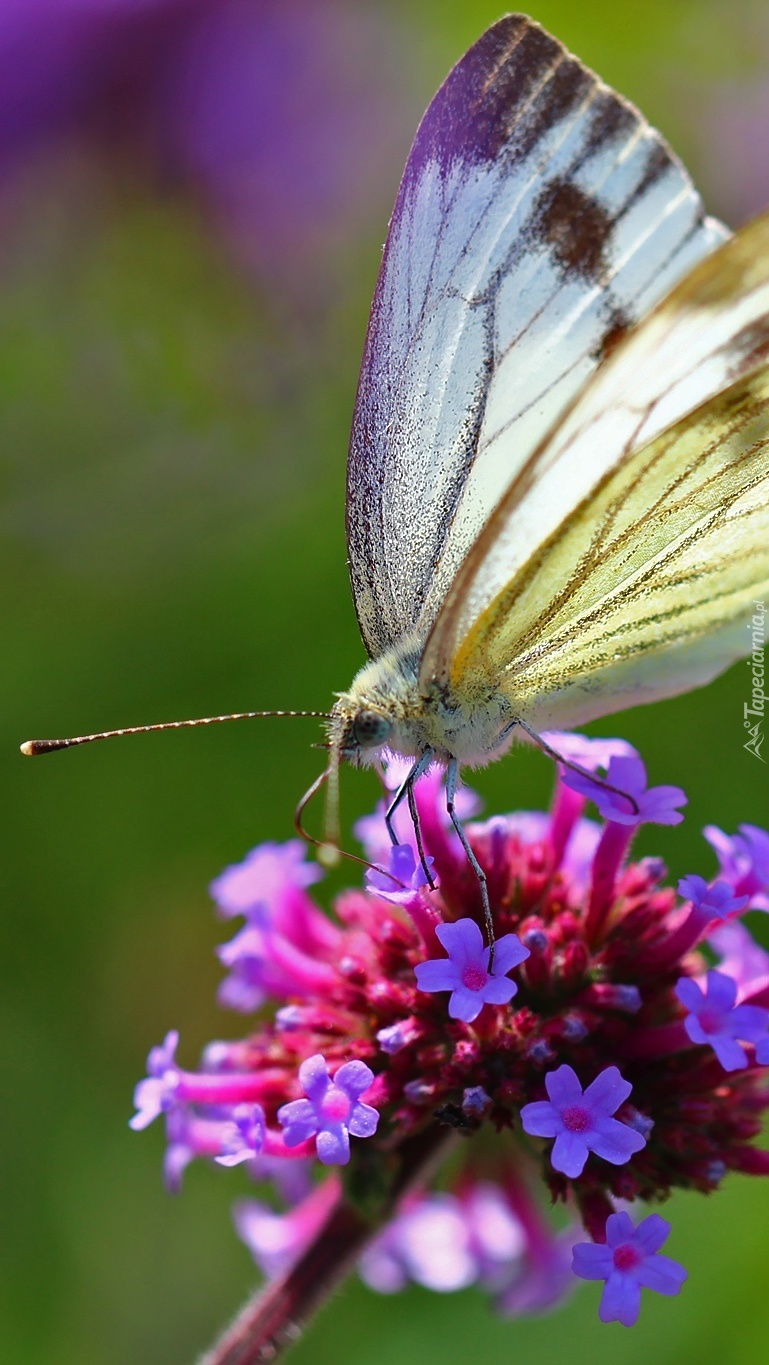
x=32 y=747
x=577 y=767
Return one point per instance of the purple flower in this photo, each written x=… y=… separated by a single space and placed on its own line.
x=475 y=1100
x=427 y=1243
x=589 y=751
x=741 y=957
x=744 y=861
x=406 y=875
x=157 y=1093
x=717 y=900
x=542 y=1280
x=331 y=1111
x=243 y=1136
x=258 y=884
x=582 y=1123
x=652 y=805
x=276 y=1240
x=715 y=1018
x=445 y=1242
x=465 y=972
x=628 y=1262
x=394 y=1037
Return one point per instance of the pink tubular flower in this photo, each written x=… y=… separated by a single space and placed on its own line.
x=587 y=1028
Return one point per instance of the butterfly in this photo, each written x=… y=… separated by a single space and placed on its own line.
x=558 y=476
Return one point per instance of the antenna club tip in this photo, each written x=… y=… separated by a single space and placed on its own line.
x=329 y=856
x=29 y=748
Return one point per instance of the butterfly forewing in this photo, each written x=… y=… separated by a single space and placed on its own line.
x=538 y=218
x=619 y=506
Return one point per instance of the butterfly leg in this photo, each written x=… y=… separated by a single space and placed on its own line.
x=451 y=791
x=407 y=789
x=599 y=781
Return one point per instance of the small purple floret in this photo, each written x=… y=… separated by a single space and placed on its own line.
x=157 y=1093
x=256 y=885
x=633 y=803
x=744 y=861
x=332 y=1110
x=465 y=972
x=715 y=1018
x=404 y=876
x=243 y=1138
x=582 y=1123
x=628 y=1262
x=717 y=900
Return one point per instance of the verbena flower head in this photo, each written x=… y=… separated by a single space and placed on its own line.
x=597 y=1050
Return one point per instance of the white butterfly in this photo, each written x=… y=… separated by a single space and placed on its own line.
x=558 y=477
x=558 y=481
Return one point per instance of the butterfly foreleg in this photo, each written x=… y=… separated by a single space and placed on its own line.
x=452 y=777
x=406 y=789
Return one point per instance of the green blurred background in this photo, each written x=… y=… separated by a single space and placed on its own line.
x=177 y=384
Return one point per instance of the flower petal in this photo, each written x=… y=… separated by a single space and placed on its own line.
x=313 y=1077
x=463 y=940
x=509 y=952
x=591 y=1261
x=540 y=1119
x=608 y=1091
x=689 y=994
x=662 y=1274
x=651 y=1233
x=562 y=1085
x=465 y=1004
x=721 y=990
x=569 y=1154
x=730 y=1053
x=439 y=974
x=499 y=990
x=333 y=1145
x=621 y=1300
x=363 y=1120
x=354 y=1077
x=614 y=1141
x=620 y=1228
x=299 y=1121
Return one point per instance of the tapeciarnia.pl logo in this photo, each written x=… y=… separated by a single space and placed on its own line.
x=753 y=712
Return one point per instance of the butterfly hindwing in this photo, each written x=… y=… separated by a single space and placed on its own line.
x=538 y=218
x=625 y=565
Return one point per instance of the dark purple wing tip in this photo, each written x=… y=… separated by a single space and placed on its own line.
x=474 y=111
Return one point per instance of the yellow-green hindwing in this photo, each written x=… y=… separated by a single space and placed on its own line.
x=653 y=576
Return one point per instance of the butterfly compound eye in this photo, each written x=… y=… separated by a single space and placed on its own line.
x=370 y=728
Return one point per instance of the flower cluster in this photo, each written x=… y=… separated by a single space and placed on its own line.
x=612 y=1042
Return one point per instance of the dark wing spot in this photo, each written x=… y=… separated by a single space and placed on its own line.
x=618 y=325
x=612 y=119
x=561 y=95
x=575 y=227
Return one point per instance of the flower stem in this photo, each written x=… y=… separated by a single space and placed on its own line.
x=274 y=1318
